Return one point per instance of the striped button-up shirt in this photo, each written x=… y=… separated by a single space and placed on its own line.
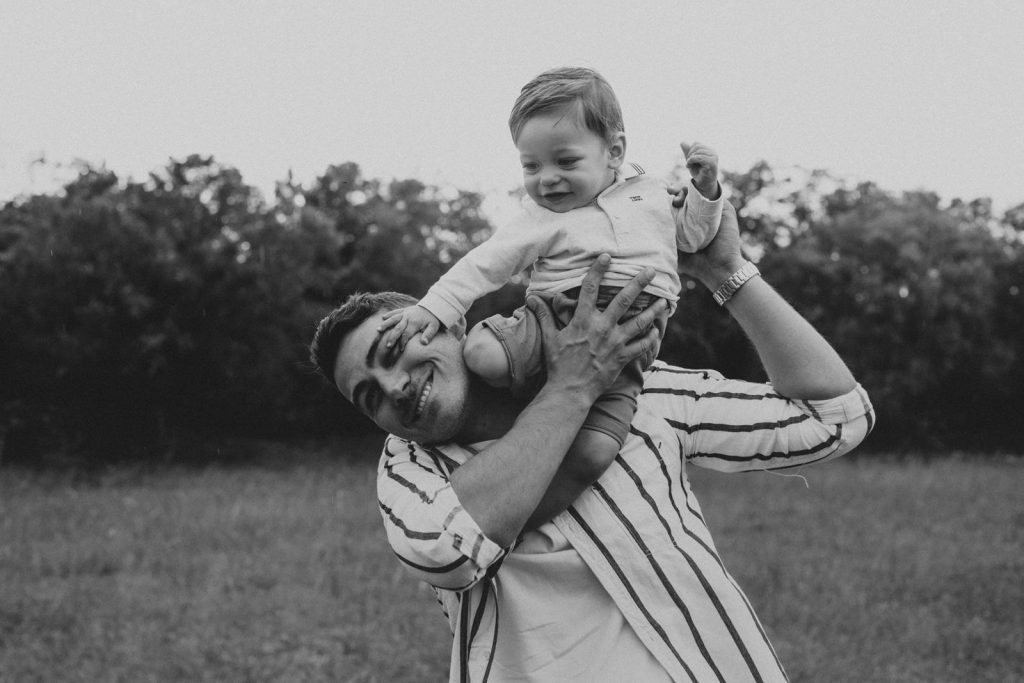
x=639 y=528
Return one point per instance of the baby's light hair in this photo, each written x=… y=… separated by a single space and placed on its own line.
x=577 y=90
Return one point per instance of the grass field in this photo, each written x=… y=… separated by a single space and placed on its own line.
x=876 y=570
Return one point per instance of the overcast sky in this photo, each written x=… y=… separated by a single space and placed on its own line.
x=909 y=94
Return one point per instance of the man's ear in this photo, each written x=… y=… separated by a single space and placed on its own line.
x=617 y=150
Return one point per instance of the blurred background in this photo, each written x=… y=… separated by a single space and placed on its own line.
x=187 y=187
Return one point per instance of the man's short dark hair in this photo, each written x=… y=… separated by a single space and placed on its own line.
x=353 y=311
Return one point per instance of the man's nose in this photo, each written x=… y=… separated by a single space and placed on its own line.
x=395 y=384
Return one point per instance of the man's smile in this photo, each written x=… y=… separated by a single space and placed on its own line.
x=421 y=399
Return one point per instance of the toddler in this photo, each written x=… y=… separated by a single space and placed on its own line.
x=567 y=126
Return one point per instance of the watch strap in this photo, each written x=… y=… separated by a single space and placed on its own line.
x=734 y=282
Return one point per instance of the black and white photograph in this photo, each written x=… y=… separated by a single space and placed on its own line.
x=542 y=342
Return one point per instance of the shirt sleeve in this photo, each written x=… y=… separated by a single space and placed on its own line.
x=698 y=220
x=737 y=426
x=486 y=268
x=426 y=525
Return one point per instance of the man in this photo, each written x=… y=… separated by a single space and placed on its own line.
x=552 y=568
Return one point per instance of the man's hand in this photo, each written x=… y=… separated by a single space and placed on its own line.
x=403 y=323
x=702 y=162
x=513 y=479
x=585 y=357
x=716 y=262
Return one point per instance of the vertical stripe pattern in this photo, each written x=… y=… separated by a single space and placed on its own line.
x=639 y=528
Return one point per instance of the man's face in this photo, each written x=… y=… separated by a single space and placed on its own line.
x=565 y=166
x=418 y=392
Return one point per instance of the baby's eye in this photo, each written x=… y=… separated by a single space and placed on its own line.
x=568 y=162
x=530 y=167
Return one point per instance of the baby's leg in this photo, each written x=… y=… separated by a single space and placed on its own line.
x=604 y=431
x=607 y=424
x=485 y=356
x=507 y=351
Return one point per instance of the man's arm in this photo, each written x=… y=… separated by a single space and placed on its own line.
x=798 y=360
x=814 y=410
x=736 y=426
x=502 y=486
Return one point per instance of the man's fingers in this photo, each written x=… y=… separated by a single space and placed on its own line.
x=647 y=320
x=562 y=301
x=730 y=221
x=625 y=297
x=587 y=301
x=645 y=348
x=542 y=311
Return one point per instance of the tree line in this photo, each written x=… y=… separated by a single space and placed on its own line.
x=139 y=318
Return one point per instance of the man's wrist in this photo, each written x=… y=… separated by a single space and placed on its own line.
x=732 y=284
x=717 y=273
x=568 y=397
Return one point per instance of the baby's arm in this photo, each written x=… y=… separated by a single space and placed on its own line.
x=404 y=323
x=699 y=213
x=702 y=162
x=484 y=269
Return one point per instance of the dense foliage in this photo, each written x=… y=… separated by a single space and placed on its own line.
x=135 y=314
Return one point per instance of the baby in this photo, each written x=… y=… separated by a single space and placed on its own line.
x=567 y=126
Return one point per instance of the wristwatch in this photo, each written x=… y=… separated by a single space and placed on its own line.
x=735 y=281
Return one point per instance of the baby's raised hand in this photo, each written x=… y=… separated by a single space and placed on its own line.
x=403 y=323
x=702 y=162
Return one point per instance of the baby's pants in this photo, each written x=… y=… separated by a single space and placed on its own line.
x=521 y=339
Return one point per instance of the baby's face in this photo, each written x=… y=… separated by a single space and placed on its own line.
x=565 y=166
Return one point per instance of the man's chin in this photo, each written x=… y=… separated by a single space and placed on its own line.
x=435 y=430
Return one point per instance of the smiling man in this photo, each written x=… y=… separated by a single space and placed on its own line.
x=550 y=567
x=425 y=403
